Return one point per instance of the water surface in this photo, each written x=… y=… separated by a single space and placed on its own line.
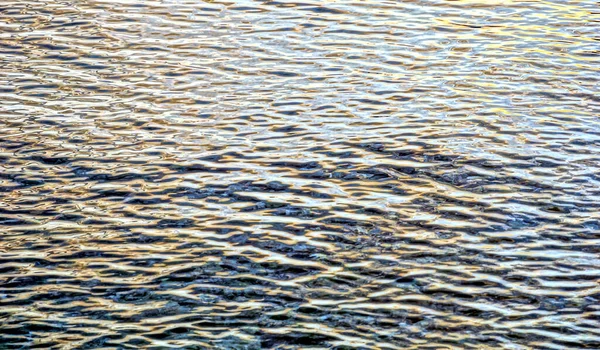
x=292 y=175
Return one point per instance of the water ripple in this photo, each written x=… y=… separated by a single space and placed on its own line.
x=279 y=174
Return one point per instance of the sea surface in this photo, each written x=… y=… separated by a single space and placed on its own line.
x=187 y=174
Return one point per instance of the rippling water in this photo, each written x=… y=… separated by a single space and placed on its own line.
x=277 y=174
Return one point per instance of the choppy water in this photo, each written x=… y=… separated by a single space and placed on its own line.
x=277 y=174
